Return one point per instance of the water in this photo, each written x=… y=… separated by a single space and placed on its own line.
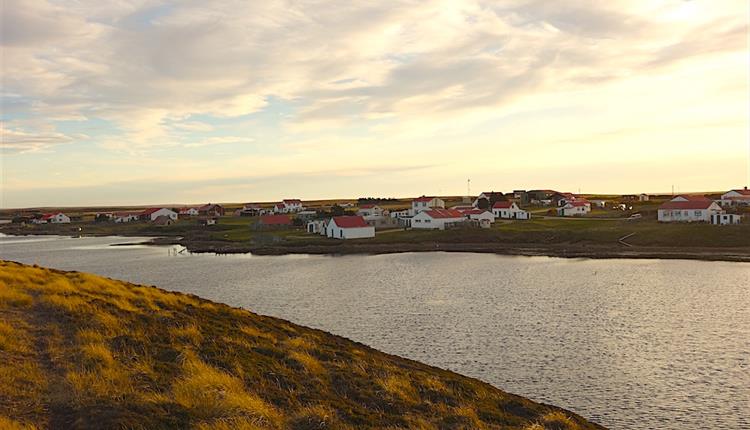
x=631 y=344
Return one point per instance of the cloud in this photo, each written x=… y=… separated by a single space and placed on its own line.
x=15 y=140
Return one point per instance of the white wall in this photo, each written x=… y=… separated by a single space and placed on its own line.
x=337 y=232
x=166 y=212
x=686 y=215
x=424 y=221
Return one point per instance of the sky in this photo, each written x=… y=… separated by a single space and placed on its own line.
x=147 y=102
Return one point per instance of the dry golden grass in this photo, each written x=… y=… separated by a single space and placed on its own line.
x=83 y=351
x=9 y=424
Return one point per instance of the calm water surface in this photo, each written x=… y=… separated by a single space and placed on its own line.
x=631 y=344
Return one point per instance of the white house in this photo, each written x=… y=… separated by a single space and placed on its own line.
x=370 y=211
x=736 y=197
x=54 y=218
x=126 y=216
x=189 y=211
x=688 y=209
x=478 y=215
x=725 y=219
x=154 y=213
x=487 y=197
x=509 y=210
x=423 y=203
x=436 y=219
x=575 y=208
x=643 y=197
x=349 y=227
x=288 y=206
x=317 y=226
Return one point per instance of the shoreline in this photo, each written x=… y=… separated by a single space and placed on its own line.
x=592 y=251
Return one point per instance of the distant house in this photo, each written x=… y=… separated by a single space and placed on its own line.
x=126 y=216
x=162 y=221
x=561 y=199
x=274 y=222
x=306 y=215
x=437 y=219
x=153 y=213
x=725 y=219
x=509 y=210
x=52 y=218
x=288 y=206
x=686 y=208
x=211 y=210
x=575 y=208
x=643 y=197
x=369 y=210
x=349 y=227
x=188 y=211
x=207 y=221
x=252 y=209
x=736 y=197
x=538 y=197
x=317 y=226
x=487 y=199
x=424 y=203
x=480 y=215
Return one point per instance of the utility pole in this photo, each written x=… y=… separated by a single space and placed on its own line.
x=468 y=187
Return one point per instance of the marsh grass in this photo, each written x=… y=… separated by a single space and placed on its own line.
x=78 y=350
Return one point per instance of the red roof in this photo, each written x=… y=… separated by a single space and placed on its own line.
x=744 y=192
x=124 y=214
x=275 y=220
x=502 y=205
x=367 y=206
x=293 y=201
x=471 y=211
x=48 y=216
x=444 y=213
x=350 y=221
x=150 y=211
x=578 y=203
x=424 y=199
x=694 y=198
x=690 y=204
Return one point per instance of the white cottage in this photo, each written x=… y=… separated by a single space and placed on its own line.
x=126 y=216
x=725 y=219
x=736 y=197
x=688 y=209
x=574 y=208
x=423 y=203
x=154 y=213
x=349 y=227
x=55 y=218
x=436 y=219
x=480 y=215
x=509 y=210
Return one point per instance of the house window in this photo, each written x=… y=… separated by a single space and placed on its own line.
x=698 y=213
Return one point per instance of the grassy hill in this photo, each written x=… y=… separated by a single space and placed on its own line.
x=82 y=351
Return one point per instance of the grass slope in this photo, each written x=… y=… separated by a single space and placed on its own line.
x=82 y=351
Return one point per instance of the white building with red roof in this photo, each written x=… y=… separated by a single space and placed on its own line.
x=349 y=227
x=480 y=215
x=509 y=210
x=575 y=208
x=424 y=203
x=153 y=213
x=54 y=218
x=735 y=197
x=688 y=209
x=437 y=219
x=189 y=211
x=370 y=210
x=126 y=216
x=288 y=206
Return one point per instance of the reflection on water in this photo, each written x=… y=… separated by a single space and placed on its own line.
x=627 y=343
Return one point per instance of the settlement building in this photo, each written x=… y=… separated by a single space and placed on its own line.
x=54 y=218
x=575 y=208
x=349 y=227
x=735 y=197
x=126 y=216
x=423 y=203
x=509 y=210
x=288 y=206
x=211 y=210
x=725 y=219
x=437 y=219
x=153 y=213
x=189 y=211
x=688 y=209
x=273 y=222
